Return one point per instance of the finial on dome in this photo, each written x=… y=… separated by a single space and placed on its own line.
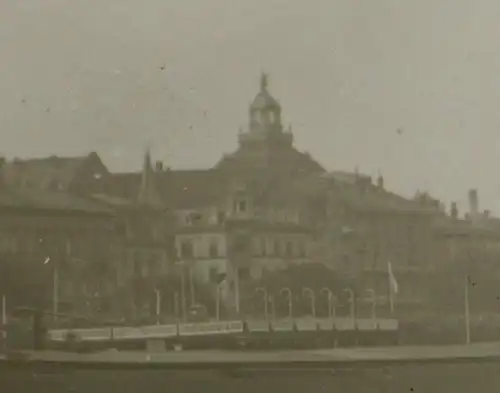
x=263 y=81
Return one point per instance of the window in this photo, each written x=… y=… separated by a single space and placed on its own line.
x=263 y=247
x=213 y=275
x=256 y=250
x=274 y=247
x=289 y=249
x=243 y=273
x=120 y=229
x=187 y=249
x=221 y=217
x=153 y=266
x=240 y=244
x=278 y=248
x=241 y=206
x=271 y=117
x=301 y=249
x=213 y=249
x=137 y=267
x=256 y=116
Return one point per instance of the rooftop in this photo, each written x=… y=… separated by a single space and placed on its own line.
x=15 y=198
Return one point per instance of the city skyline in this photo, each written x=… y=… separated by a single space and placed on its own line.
x=412 y=98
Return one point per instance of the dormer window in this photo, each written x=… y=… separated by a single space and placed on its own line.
x=240 y=206
x=193 y=218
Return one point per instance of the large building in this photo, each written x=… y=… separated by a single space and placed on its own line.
x=468 y=253
x=262 y=209
x=268 y=205
x=117 y=247
x=234 y=221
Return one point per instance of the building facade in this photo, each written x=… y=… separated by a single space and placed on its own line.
x=265 y=208
x=57 y=251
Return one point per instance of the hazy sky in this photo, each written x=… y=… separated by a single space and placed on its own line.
x=77 y=76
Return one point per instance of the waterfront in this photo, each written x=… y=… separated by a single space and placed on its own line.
x=479 y=375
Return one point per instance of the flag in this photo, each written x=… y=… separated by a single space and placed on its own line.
x=392 y=279
x=393 y=286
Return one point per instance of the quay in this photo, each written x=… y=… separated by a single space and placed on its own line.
x=458 y=369
x=283 y=358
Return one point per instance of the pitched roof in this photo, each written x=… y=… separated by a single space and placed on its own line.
x=358 y=191
x=289 y=159
x=54 y=173
x=177 y=188
x=13 y=198
x=449 y=226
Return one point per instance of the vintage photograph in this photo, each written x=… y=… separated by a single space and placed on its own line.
x=253 y=196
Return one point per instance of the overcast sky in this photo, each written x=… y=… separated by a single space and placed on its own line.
x=77 y=76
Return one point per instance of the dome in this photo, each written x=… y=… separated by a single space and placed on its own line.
x=263 y=100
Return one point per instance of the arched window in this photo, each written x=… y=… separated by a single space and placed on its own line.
x=272 y=117
x=256 y=116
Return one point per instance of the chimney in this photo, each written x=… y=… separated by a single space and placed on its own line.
x=486 y=214
x=454 y=210
x=159 y=166
x=473 y=203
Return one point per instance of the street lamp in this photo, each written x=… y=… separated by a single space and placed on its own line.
x=373 y=301
x=217 y=302
x=273 y=307
x=158 y=305
x=290 y=300
x=351 y=302
x=183 y=289
x=176 y=304
x=264 y=292
x=334 y=306
x=55 y=288
x=313 y=299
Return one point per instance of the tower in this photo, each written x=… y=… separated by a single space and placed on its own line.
x=265 y=111
x=265 y=145
x=264 y=123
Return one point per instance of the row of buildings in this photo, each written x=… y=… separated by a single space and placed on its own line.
x=111 y=238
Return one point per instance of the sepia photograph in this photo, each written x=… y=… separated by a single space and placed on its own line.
x=257 y=196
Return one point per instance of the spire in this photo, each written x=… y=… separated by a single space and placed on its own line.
x=148 y=193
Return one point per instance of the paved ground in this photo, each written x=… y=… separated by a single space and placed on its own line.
x=325 y=355
x=429 y=377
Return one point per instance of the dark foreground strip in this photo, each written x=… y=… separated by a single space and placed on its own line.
x=451 y=375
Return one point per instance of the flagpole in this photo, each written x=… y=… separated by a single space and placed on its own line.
x=391 y=299
x=391 y=291
x=466 y=311
x=3 y=336
x=4 y=310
